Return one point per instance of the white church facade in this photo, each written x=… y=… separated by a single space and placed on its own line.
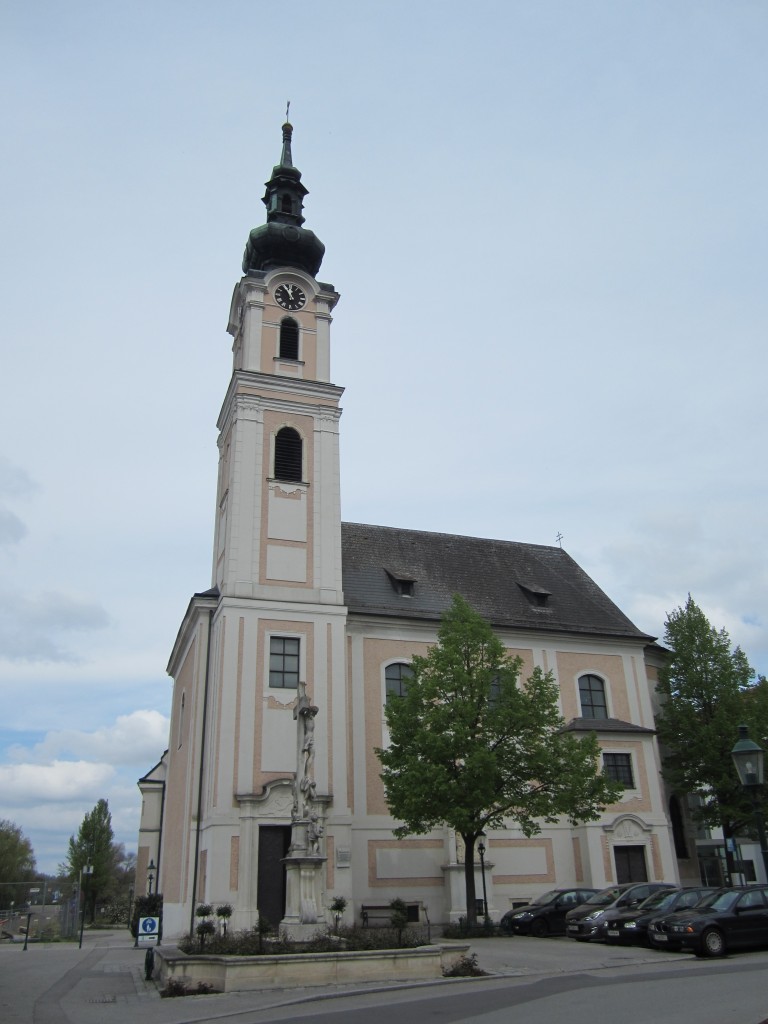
x=310 y=622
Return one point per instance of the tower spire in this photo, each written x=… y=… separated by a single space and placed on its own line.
x=282 y=241
x=286 y=159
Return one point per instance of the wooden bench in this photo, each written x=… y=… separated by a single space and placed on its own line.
x=381 y=914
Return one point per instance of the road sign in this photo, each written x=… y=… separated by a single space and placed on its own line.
x=149 y=930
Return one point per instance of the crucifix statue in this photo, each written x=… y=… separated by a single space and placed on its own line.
x=304 y=786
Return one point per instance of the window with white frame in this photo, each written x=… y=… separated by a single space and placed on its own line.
x=592 y=697
x=619 y=768
x=396 y=678
x=284 y=654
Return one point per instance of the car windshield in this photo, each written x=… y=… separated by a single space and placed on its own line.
x=547 y=897
x=719 y=901
x=601 y=898
x=661 y=900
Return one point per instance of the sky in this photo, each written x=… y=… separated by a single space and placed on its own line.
x=548 y=225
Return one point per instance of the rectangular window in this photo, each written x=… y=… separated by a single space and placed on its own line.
x=619 y=767
x=284 y=662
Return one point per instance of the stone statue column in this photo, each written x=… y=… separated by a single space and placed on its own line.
x=305 y=860
x=304 y=785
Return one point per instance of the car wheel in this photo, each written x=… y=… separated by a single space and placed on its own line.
x=712 y=943
x=539 y=928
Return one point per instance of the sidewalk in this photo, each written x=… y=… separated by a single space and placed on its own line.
x=103 y=983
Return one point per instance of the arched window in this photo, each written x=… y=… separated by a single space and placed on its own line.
x=592 y=696
x=286 y=206
x=288 y=452
x=396 y=678
x=289 y=338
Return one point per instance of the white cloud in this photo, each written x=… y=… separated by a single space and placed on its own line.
x=30 y=624
x=24 y=784
x=137 y=738
x=12 y=530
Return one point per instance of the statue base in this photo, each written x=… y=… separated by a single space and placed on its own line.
x=304 y=912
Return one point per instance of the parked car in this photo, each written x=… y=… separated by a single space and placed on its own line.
x=730 y=919
x=659 y=935
x=546 y=915
x=630 y=927
x=584 y=922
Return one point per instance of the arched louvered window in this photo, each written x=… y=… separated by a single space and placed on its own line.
x=286 y=206
x=288 y=451
x=396 y=679
x=289 y=338
x=592 y=696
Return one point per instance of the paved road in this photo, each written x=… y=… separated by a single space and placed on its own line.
x=535 y=981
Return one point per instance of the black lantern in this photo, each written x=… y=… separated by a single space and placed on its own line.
x=749 y=759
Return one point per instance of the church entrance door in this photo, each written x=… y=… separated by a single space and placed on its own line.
x=274 y=841
x=630 y=864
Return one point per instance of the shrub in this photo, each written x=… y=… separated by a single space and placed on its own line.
x=464 y=967
x=175 y=987
x=147 y=906
x=224 y=912
x=254 y=943
x=337 y=908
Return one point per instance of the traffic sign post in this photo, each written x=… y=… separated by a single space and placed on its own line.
x=149 y=931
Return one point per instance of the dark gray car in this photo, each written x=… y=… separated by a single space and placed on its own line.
x=546 y=915
x=586 y=923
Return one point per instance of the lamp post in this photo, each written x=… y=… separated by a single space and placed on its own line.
x=481 y=851
x=749 y=759
x=86 y=870
x=151 y=874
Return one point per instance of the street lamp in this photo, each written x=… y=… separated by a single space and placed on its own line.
x=749 y=760
x=481 y=851
x=151 y=876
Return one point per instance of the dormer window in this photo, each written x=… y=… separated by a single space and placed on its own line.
x=289 y=338
x=538 y=596
x=404 y=583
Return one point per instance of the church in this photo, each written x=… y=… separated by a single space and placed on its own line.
x=269 y=797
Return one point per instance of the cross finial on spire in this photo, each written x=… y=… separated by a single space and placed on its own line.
x=559 y=538
x=287 y=110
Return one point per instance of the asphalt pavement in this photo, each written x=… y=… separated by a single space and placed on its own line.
x=104 y=983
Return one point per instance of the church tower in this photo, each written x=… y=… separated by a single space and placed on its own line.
x=274 y=618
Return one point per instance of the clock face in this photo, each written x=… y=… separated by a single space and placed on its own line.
x=290 y=296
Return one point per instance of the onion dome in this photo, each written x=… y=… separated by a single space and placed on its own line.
x=282 y=241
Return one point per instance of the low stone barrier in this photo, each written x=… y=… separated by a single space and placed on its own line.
x=287 y=970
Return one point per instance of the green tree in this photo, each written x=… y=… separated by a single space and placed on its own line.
x=17 y=863
x=706 y=691
x=94 y=846
x=472 y=749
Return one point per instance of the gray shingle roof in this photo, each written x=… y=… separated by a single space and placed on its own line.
x=512 y=585
x=603 y=725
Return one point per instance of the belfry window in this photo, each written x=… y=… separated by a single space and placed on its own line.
x=288 y=454
x=286 y=206
x=289 y=338
x=592 y=696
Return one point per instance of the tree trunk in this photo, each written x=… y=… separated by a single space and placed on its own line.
x=469 y=879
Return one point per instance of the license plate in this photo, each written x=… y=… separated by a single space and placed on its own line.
x=660 y=937
x=613 y=932
x=573 y=927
